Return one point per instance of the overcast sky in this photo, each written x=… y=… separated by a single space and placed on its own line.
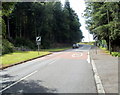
x=79 y=6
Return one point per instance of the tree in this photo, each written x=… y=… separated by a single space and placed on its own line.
x=54 y=23
x=103 y=21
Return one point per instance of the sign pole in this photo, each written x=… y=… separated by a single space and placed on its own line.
x=38 y=49
x=96 y=43
x=38 y=41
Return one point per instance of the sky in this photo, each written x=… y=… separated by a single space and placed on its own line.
x=79 y=6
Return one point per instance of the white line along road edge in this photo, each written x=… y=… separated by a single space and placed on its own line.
x=88 y=59
x=100 y=88
x=18 y=81
x=99 y=85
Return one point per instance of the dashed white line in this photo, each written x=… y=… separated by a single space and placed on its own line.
x=18 y=81
x=52 y=62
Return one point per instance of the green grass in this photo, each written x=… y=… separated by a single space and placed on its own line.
x=16 y=57
x=57 y=49
x=116 y=54
x=105 y=49
x=87 y=43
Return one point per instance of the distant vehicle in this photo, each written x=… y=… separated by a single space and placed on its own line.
x=75 y=46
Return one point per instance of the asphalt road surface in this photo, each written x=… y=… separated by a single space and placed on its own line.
x=61 y=72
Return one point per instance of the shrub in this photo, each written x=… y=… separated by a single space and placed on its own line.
x=23 y=42
x=116 y=54
x=7 y=47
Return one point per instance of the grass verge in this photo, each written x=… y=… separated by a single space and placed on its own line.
x=57 y=49
x=87 y=43
x=16 y=57
x=115 y=54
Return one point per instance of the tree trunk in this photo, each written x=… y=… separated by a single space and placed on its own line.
x=109 y=31
x=8 y=28
x=20 y=28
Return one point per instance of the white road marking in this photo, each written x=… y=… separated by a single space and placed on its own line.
x=2 y=72
x=57 y=53
x=88 y=59
x=18 y=81
x=81 y=54
x=52 y=62
x=100 y=88
x=76 y=49
x=77 y=55
x=4 y=80
x=99 y=85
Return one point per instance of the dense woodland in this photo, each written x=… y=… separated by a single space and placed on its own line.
x=103 y=21
x=22 y=22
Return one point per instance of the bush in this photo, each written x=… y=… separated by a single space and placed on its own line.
x=7 y=47
x=25 y=43
x=116 y=54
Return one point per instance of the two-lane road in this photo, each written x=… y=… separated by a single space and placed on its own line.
x=61 y=72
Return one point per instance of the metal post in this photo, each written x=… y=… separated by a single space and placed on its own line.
x=38 y=49
x=96 y=46
x=38 y=41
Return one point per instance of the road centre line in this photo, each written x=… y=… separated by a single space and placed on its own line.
x=53 y=61
x=50 y=60
x=18 y=81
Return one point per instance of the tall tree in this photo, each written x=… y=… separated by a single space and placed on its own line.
x=54 y=23
x=103 y=21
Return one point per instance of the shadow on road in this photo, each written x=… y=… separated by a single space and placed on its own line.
x=28 y=87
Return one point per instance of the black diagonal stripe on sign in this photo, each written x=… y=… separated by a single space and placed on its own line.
x=38 y=38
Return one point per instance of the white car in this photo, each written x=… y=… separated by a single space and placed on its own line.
x=75 y=46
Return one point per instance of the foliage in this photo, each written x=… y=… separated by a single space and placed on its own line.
x=3 y=29
x=103 y=21
x=116 y=54
x=7 y=47
x=51 y=21
x=24 y=42
x=87 y=43
x=7 y=8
